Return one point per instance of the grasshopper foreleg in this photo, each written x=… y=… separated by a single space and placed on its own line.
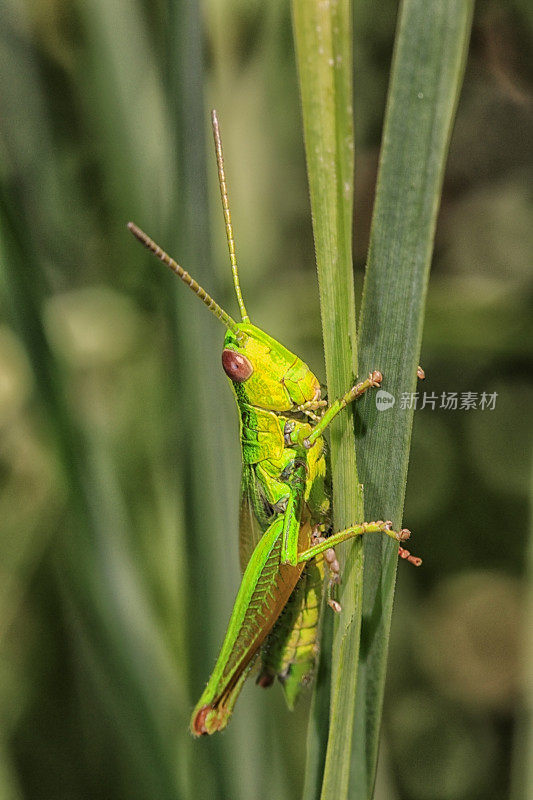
x=374 y=379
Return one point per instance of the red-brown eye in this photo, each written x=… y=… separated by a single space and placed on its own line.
x=236 y=366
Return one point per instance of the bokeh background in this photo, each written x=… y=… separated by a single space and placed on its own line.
x=119 y=458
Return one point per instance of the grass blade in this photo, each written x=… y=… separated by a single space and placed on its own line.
x=426 y=77
x=323 y=36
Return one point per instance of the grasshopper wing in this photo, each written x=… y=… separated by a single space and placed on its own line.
x=265 y=589
x=250 y=529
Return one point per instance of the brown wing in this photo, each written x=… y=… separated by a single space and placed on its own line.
x=250 y=530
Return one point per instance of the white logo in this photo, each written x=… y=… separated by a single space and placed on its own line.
x=384 y=400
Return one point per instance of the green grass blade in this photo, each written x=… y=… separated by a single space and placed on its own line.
x=426 y=77
x=323 y=36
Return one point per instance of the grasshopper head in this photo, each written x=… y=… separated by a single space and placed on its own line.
x=264 y=373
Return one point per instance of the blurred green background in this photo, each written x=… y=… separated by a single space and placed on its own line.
x=118 y=440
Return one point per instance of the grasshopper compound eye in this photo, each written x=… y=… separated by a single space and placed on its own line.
x=236 y=366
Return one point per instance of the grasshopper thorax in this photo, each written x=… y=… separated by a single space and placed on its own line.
x=264 y=373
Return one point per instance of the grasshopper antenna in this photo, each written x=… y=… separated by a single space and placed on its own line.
x=211 y=304
x=227 y=215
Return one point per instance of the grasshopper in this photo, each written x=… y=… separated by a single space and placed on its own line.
x=286 y=542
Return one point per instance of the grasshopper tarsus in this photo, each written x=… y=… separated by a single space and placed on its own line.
x=405 y=554
x=420 y=373
x=402 y=535
x=337 y=608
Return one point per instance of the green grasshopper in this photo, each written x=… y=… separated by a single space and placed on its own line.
x=286 y=541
